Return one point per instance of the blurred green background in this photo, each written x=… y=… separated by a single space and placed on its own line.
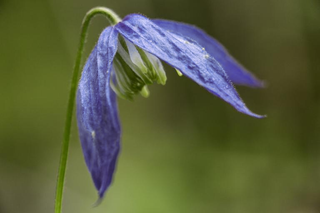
x=183 y=150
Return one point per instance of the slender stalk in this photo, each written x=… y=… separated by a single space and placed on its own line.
x=113 y=19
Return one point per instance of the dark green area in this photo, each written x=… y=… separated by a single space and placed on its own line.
x=183 y=150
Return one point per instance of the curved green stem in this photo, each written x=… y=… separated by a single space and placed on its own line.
x=113 y=19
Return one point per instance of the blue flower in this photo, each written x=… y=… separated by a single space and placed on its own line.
x=125 y=60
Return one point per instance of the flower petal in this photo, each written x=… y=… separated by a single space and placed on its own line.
x=97 y=113
x=237 y=73
x=184 y=55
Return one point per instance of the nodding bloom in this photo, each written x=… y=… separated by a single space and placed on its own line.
x=125 y=60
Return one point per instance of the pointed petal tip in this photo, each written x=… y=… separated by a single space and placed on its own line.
x=254 y=82
x=243 y=109
x=260 y=116
x=98 y=202
x=255 y=115
x=257 y=84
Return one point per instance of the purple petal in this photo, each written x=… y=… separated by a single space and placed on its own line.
x=184 y=55
x=97 y=113
x=236 y=73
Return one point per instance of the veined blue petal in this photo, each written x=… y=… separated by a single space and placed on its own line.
x=97 y=114
x=236 y=73
x=184 y=55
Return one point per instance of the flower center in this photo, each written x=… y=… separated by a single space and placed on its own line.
x=134 y=69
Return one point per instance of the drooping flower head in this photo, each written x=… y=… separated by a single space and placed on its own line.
x=125 y=60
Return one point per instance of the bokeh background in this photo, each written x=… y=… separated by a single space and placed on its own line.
x=183 y=150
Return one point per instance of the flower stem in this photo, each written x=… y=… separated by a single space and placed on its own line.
x=113 y=19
